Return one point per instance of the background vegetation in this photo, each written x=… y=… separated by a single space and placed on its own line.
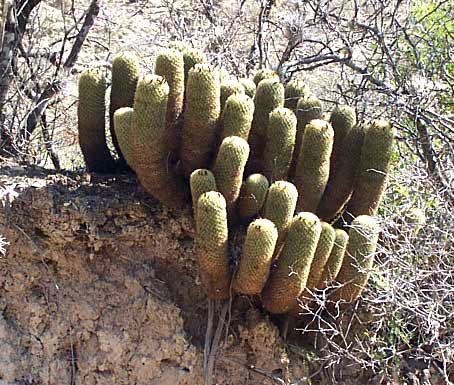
x=391 y=58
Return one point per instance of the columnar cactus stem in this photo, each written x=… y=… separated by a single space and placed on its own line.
x=280 y=143
x=294 y=91
x=149 y=134
x=229 y=167
x=265 y=74
x=268 y=96
x=340 y=187
x=170 y=65
x=123 y=129
x=280 y=206
x=125 y=74
x=321 y=256
x=309 y=107
x=212 y=244
x=200 y=182
x=230 y=87
x=288 y=279
x=342 y=119
x=312 y=170
x=252 y=196
x=358 y=259
x=237 y=116
x=256 y=258
x=91 y=114
x=335 y=259
x=200 y=117
x=374 y=167
x=249 y=86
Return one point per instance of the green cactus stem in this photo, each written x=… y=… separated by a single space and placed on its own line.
x=230 y=87
x=200 y=182
x=309 y=107
x=322 y=253
x=280 y=207
x=294 y=91
x=335 y=259
x=170 y=65
x=280 y=143
x=125 y=74
x=288 y=279
x=358 y=259
x=91 y=120
x=265 y=74
x=200 y=117
x=249 y=86
x=191 y=56
x=312 y=170
x=123 y=130
x=212 y=245
x=342 y=119
x=237 y=116
x=374 y=167
x=252 y=196
x=256 y=257
x=268 y=96
x=149 y=134
x=229 y=167
x=340 y=187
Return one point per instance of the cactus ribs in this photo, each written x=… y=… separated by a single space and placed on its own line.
x=256 y=157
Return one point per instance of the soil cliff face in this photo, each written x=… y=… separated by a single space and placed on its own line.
x=99 y=286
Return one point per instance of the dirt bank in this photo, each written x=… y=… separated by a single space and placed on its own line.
x=99 y=286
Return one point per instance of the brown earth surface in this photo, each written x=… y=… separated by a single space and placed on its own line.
x=99 y=286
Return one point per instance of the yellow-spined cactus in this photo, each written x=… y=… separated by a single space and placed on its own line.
x=237 y=116
x=335 y=259
x=374 y=167
x=342 y=119
x=256 y=257
x=268 y=96
x=125 y=74
x=288 y=279
x=229 y=167
x=230 y=87
x=340 y=186
x=170 y=65
x=212 y=244
x=294 y=91
x=252 y=196
x=312 y=170
x=249 y=86
x=191 y=56
x=203 y=103
x=149 y=136
x=91 y=120
x=123 y=130
x=280 y=142
x=200 y=182
x=280 y=206
x=265 y=74
x=321 y=256
x=358 y=259
x=309 y=107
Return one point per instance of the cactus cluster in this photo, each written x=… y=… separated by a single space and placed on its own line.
x=255 y=157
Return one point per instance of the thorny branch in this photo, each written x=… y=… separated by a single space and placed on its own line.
x=40 y=95
x=54 y=87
